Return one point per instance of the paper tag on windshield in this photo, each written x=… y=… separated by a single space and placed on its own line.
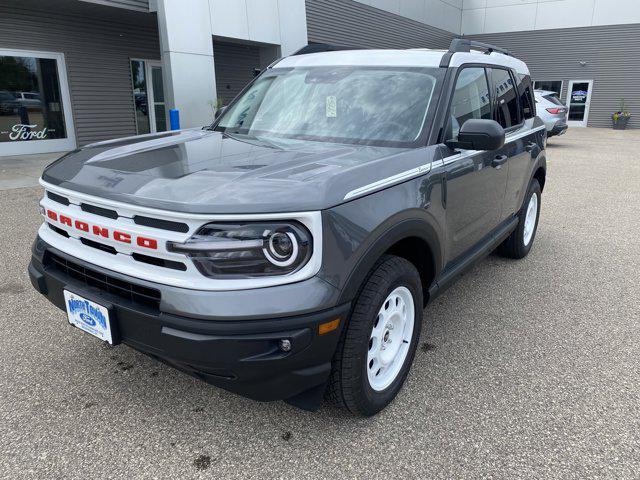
x=332 y=107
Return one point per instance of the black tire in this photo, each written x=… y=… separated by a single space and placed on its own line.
x=514 y=246
x=349 y=385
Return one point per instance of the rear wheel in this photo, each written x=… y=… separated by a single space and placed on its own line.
x=375 y=354
x=518 y=244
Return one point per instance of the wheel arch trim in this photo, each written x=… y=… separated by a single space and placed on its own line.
x=414 y=223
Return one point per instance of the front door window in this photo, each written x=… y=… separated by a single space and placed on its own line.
x=32 y=107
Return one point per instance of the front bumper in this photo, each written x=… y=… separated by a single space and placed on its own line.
x=242 y=356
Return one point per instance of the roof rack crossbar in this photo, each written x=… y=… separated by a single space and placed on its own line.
x=465 y=45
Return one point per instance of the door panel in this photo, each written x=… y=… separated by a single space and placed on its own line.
x=519 y=149
x=475 y=190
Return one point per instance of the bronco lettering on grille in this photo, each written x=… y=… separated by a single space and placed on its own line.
x=102 y=232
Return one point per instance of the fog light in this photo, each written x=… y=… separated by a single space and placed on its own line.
x=285 y=345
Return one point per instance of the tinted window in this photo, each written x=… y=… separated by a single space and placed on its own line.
x=470 y=99
x=527 y=103
x=507 y=112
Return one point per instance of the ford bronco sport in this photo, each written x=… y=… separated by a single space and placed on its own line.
x=287 y=250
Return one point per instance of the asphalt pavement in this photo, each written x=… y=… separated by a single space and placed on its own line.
x=526 y=369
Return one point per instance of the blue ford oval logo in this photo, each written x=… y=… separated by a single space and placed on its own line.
x=87 y=319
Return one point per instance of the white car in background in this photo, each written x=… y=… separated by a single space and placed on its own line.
x=552 y=112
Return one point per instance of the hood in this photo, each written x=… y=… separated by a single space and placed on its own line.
x=202 y=171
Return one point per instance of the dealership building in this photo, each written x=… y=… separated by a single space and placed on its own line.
x=73 y=72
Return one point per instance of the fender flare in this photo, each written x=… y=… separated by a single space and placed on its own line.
x=410 y=223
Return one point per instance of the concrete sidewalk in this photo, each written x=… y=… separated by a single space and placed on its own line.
x=19 y=171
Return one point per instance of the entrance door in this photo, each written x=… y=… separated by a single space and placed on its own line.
x=578 y=100
x=35 y=108
x=148 y=96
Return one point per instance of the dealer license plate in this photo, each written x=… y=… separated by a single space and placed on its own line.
x=89 y=316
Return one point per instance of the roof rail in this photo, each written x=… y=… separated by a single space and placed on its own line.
x=321 y=47
x=465 y=45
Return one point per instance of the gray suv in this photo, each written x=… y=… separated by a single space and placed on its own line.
x=286 y=251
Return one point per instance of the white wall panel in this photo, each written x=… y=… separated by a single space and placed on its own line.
x=625 y=11
x=471 y=4
x=548 y=14
x=263 y=20
x=473 y=21
x=392 y=6
x=510 y=19
x=413 y=9
x=565 y=13
x=293 y=25
x=229 y=19
x=443 y=14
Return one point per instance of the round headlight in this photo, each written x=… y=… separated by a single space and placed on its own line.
x=282 y=248
x=248 y=249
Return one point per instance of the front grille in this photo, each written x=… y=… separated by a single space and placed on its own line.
x=161 y=224
x=98 y=246
x=137 y=294
x=103 y=212
x=58 y=198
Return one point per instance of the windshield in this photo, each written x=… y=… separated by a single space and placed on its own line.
x=364 y=105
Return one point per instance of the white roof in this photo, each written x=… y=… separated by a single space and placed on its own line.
x=398 y=58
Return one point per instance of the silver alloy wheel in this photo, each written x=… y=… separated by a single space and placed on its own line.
x=530 y=219
x=390 y=338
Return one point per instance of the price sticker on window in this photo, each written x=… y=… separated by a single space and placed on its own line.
x=332 y=107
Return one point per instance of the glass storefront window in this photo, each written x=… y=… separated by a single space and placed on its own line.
x=30 y=102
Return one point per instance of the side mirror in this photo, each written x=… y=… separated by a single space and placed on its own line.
x=478 y=134
x=220 y=111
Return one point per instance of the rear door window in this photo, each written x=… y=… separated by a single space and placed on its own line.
x=507 y=111
x=527 y=102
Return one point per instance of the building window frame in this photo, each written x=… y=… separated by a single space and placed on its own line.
x=52 y=145
x=535 y=82
x=149 y=64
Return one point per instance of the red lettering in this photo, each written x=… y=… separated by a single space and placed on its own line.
x=65 y=220
x=101 y=231
x=52 y=215
x=122 y=237
x=82 y=226
x=147 y=243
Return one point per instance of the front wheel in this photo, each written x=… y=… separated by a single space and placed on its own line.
x=518 y=244
x=376 y=352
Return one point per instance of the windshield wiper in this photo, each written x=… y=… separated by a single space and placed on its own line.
x=252 y=140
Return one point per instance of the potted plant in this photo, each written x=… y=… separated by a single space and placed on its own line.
x=621 y=117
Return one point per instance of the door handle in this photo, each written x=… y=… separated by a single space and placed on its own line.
x=499 y=160
x=530 y=146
